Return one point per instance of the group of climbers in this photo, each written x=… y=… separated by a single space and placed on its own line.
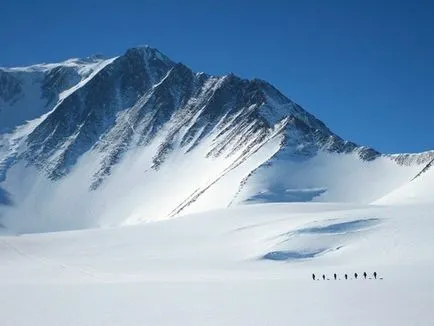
x=335 y=276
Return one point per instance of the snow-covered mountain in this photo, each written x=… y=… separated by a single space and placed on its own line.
x=138 y=137
x=108 y=142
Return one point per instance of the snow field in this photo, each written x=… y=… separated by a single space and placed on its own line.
x=209 y=269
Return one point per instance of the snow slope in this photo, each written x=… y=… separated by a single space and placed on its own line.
x=419 y=191
x=248 y=265
x=26 y=93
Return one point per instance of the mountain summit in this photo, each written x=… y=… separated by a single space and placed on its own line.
x=95 y=141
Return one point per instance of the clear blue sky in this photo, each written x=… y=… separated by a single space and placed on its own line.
x=365 y=67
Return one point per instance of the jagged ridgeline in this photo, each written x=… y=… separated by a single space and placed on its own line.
x=160 y=140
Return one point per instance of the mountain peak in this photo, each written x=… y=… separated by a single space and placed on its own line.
x=148 y=53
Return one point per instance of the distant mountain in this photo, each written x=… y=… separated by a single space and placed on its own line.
x=138 y=137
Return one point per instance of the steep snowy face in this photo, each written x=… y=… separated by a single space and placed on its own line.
x=89 y=112
x=418 y=191
x=28 y=92
x=159 y=140
x=142 y=94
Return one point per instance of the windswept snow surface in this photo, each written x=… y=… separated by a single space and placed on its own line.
x=419 y=191
x=327 y=177
x=220 y=268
